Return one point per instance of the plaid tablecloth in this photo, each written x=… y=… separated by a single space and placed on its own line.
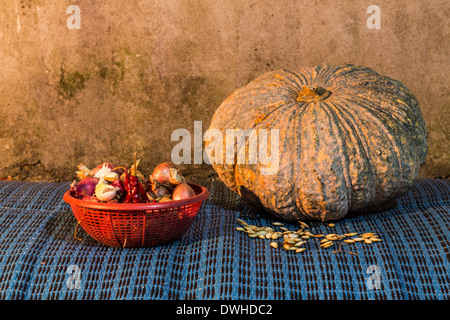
x=41 y=259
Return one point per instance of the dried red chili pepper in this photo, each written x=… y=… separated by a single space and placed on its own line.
x=135 y=193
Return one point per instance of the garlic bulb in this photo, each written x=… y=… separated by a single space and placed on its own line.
x=104 y=191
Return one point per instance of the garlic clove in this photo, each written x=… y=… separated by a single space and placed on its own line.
x=105 y=192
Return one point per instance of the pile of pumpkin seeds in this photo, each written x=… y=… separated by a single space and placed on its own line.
x=295 y=240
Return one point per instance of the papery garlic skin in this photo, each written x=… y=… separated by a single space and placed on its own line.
x=102 y=172
x=175 y=177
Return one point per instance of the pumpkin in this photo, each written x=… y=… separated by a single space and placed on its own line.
x=348 y=138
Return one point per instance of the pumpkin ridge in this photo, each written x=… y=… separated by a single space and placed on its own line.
x=296 y=162
x=326 y=76
x=299 y=78
x=345 y=162
x=368 y=120
x=362 y=138
x=254 y=126
x=281 y=106
x=285 y=159
x=283 y=199
x=379 y=118
x=302 y=80
x=349 y=130
x=341 y=71
x=312 y=196
x=391 y=132
x=286 y=77
x=332 y=167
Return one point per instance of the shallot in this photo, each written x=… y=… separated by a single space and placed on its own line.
x=86 y=186
x=168 y=174
x=158 y=189
x=182 y=191
x=118 y=184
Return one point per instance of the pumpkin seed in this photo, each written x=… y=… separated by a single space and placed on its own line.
x=327 y=243
x=331 y=236
x=367 y=235
x=242 y=222
x=261 y=233
x=299 y=243
x=293 y=240
x=303 y=224
x=276 y=235
x=350 y=234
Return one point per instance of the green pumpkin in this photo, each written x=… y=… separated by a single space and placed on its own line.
x=348 y=137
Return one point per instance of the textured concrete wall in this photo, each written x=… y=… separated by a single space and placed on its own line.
x=137 y=70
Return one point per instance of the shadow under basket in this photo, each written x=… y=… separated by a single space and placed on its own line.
x=137 y=224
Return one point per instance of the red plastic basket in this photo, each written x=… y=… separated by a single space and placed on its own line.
x=137 y=224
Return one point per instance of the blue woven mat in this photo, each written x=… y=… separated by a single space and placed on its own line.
x=41 y=259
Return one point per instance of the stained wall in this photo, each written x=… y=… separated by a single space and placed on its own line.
x=137 y=70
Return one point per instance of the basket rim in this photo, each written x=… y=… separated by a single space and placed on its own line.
x=70 y=199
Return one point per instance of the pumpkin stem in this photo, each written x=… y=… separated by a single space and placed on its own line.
x=311 y=94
